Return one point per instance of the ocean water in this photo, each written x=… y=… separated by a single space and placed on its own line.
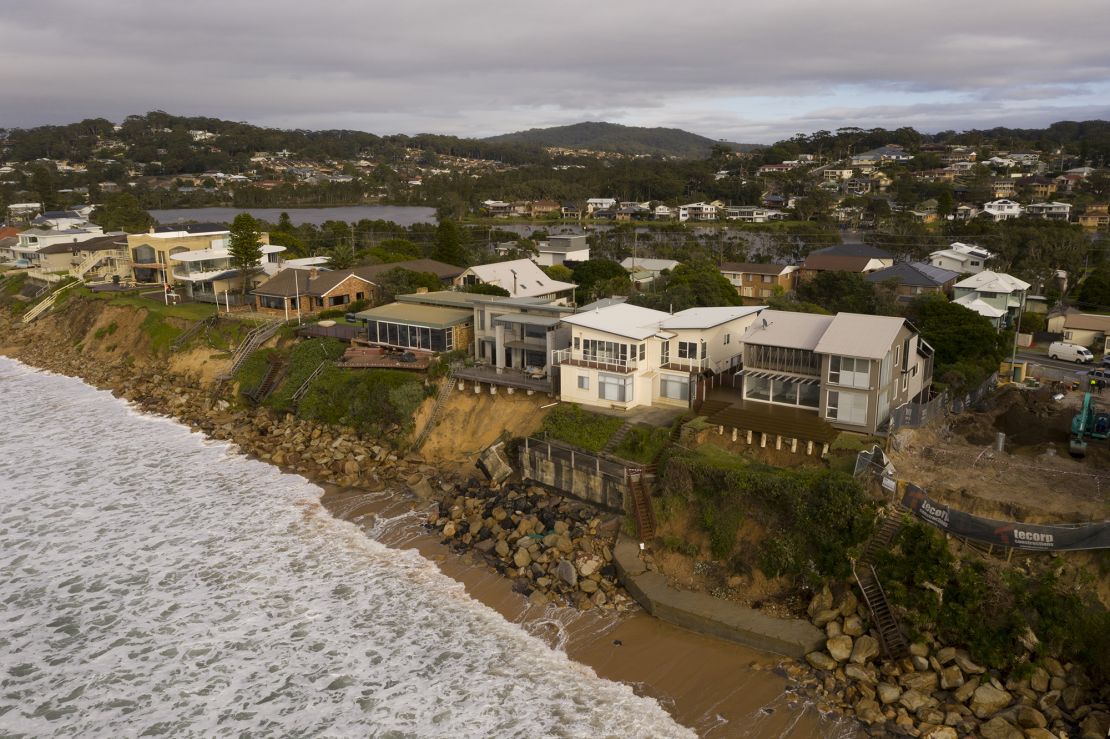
x=155 y=583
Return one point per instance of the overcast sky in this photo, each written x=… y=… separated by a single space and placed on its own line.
x=741 y=71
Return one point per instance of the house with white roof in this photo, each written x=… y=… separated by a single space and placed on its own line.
x=962 y=258
x=623 y=356
x=520 y=277
x=850 y=370
x=697 y=212
x=1054 y=211
x=595 y=204
x=1002 y=210
x=996 y=296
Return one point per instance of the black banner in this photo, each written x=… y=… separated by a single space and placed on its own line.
x=1036 y=537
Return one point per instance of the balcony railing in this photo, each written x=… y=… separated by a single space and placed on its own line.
x=578 y=358
x=686 y=364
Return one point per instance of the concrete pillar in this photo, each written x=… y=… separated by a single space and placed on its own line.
x=734 y=434
x=510 y=390
x=793 y=446
x=462 y=385
x=824 y=450
x=493 y=390
x=499 y=347
x=778 y=442
x=477 y=388
x=720 y=431
x=809 y=448
x=531 y=392
x=762 y=440
x=749 y=436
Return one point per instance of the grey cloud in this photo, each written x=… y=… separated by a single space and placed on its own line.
x=480 y=68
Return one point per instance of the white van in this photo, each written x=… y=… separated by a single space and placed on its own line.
x=1070 y=352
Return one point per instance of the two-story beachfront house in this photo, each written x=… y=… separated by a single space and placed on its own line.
x=851 y=370
x=521 y=278
x=624 y=356
x=961 y=258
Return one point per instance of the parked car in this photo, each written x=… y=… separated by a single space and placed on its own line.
x=1099 y=374
x=1070 y=352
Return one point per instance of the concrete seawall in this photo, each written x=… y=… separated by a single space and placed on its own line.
x=712 y=616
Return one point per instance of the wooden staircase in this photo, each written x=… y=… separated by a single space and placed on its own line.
x=891 y=638
x=300 y=392
x=441 y=400
x=192 y=331
x=274 y=370
x=642 y=509
x=47 y=303
x=256 y=338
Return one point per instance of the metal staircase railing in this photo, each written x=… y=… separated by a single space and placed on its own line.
x=891 y=638
x=96 y=258
x=47 y=303
x=300 y=392
x=641 y=504
x=256 y=338
x=192 y=331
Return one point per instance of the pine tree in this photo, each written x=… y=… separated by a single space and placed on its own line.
x=245 y=246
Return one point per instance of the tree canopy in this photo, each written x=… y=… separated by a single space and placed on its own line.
x=122 y=212
x=968 y=348
x=244 y=244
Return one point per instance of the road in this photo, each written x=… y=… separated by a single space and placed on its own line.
x=1055 y=369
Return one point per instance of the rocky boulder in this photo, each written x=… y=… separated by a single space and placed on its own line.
x=1000 y=728
x=988 y=700
x=821 y=661
x=840 y=647
x=865 y=648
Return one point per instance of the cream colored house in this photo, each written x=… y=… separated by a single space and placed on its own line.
x=623 y=356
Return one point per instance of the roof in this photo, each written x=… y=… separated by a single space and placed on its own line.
x=971 y=301
x=192 y=228
x=859 y=335
x=651 y=265
x=853 y=250
x=521 y=277
x=100 y=243
x=563 y=247
x=415 y=314
x=828 y=262
x=1087 y=322
x=709 y=317
x=962 y=252
x=445 y=298
x=757 y=268
x=442 y=270
x=788 y=329
x=201 y=255
x=914 y=274
x=993 y=282
x=621 y=319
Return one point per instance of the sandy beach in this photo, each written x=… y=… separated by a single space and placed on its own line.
x=717 y=688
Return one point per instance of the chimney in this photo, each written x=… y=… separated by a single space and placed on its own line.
x=313 y=273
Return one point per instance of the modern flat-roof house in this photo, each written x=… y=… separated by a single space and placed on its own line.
x=208 y=275
x=1002 y=210
x=697 y=212
x=520 y=277
x=559 y=249
x=915 y=278
x=155 y=253
x=623 y=356
x=962 y=258
x=1096 y=217
x=752 y=214
x=596 y=204
x=993 y=295
x=850 y=370
x=757 y=281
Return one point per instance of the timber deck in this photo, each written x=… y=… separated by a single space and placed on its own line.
x=773 y=420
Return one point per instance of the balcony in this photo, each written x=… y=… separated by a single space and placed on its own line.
x=686 y=365
x=607 y=363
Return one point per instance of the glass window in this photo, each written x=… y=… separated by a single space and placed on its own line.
x=583 y=382
x=675 y=388
x=614 y=387
x=687 y=350
x=849 y=371
x=665 y=352
x=847 y=407
x=809 y=395
x=643 y=351
x=784 y=391
x=728 y=338
x=757 y=388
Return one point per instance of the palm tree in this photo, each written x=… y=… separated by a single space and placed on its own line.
x=342 y=256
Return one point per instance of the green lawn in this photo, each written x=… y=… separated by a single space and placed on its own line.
x=643 y=443
x=590 y=431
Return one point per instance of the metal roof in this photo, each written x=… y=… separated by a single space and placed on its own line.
x=622 y=319
x=429 y=316
x=709 y=316
x=788 y=329
x=859 y=335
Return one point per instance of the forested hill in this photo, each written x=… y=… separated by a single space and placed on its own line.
x=614 y=137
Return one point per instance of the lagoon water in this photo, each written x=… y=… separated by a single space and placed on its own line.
x=403 y=215
x=157 y=583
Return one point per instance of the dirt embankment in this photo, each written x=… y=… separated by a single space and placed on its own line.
x=471 y=421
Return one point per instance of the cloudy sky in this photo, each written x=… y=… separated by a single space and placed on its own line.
x=742 y=71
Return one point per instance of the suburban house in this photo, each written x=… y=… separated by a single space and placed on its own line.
x=153 y=253
x=498 y=208
x=559 y=249
x=545 y=208
x=101 y=257
x=752 y=214
x=570 y=211
x=26 y=251
x=859 y=258
x=1037 y=187
x=915 y=278
x=755 y=281
x=208 y=275
x=595 y=204
x=520 y=277
x=697 y=212
x=1085 y=329
x=962 y=258
x=993 y=295
x=851 y=370
x=966 y=212
x=663 y=212
x=1096 y=217
x=1001 y=210
x=311 y=290
x=644 y=271
x=623 y=356
x=1053 y=211
x=890 y=154
x=434 y=322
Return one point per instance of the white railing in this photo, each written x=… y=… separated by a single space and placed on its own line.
x=91 y=261
x=596 y=361
x=688 y=364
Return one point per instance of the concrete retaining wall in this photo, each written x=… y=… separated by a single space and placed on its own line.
x=584 y=476
x=712 y=616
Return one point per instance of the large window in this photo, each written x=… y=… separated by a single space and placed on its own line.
x=782 y=359
x=782 y=391
x=674 y=387
x=849 y=372
x=846 y=407
x=757 y=388
x=687 y=350
x=617 y=388
x=604 y=351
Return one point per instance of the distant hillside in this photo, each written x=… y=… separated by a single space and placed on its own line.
x=617 y=138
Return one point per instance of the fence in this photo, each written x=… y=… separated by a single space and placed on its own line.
x=915 y=415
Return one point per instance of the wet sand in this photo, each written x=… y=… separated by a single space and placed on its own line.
x=717 y=688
